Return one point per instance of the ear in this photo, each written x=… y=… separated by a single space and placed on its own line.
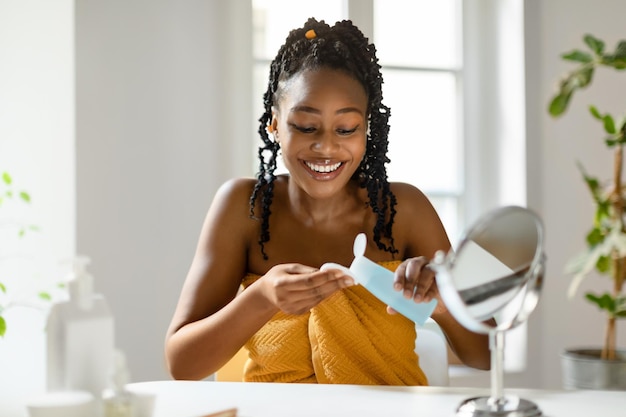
x=272 y=128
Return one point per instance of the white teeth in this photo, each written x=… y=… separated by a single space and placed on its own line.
x=323 y=168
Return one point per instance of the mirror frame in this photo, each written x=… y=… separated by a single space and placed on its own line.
x=443 y=264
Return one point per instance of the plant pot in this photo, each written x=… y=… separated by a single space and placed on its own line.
x=583 y=369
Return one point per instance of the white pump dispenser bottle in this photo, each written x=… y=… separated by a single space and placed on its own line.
x=80 y=336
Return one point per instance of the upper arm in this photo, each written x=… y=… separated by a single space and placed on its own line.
x=417 y=223
x=220 y=260
x=423 y=234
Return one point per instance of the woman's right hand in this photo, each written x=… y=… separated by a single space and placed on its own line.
x=296 y=288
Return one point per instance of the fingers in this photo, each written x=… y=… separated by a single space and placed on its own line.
x=416 y=280
x=320 y=284
x=301 y=278
x=299 y=288
x=298 y=269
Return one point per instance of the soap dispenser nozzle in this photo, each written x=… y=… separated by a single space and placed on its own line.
x=80 y=283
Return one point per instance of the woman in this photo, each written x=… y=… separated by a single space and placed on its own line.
x=324 y=114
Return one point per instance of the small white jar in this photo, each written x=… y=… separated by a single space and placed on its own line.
x=62 y=404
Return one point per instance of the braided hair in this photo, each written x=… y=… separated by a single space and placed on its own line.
x=341 y=47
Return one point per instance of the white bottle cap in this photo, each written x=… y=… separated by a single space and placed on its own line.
x=358 y=249
x=360 y=244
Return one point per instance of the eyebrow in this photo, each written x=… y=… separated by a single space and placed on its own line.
x=308 y=109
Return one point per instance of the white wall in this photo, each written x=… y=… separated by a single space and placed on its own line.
x=493 y=82
x=163 y=117
x=37 y=149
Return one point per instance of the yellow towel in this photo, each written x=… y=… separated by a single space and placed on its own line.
x=347 y=339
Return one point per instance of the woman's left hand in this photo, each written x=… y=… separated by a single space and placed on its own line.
x=417 y=281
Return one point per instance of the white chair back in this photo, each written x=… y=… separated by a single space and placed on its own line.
x=432 y=348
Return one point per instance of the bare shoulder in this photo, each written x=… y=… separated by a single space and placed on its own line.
x=417 y=224
x=228 y=223
x=235 y=190
x=408 y=193
x=412 y=202
x=413 y=209
x=230 y=211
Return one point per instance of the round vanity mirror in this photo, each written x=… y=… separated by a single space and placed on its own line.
x=490 y=284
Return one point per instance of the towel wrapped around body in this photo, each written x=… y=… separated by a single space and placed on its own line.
x=348 y=338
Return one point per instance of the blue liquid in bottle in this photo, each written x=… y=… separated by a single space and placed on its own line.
x=379 y=281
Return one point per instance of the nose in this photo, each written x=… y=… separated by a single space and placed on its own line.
x=325 y=143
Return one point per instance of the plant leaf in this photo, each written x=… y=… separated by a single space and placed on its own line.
x=6 y=178
x=595 y=237
x=603 y=265
x=45 y=296
x=592 y=183
x=605 y=302
x=603 y=210
x=616 y=60
x=620 y=306
x=620 y=50
x=25 y=196
x=595 y=113
x=595 y=44
x=3 y=326
x=618 y=63
x=581 y=265
x=609 y=124
x=3 y=288
x=582 y=77
x=559 y=104
x=577 y=56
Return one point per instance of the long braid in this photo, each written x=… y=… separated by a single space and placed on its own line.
x=345 y=48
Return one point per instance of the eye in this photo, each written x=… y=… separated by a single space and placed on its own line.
x=347 y=132
x=303 y=129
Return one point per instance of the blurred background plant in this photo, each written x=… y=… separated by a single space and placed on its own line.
x=606 y=240
x=18 y=286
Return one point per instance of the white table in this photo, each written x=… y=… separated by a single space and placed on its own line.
x=197 y=399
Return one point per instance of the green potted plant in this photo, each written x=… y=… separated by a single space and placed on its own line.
x=603 y=368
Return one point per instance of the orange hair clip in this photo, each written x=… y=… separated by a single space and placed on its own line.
x=310 y=34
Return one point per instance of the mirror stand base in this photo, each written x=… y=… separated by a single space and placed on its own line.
x=510 y=407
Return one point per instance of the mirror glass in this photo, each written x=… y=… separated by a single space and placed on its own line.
x=491 y=284
x=495 y=271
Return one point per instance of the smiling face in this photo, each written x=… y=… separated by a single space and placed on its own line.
x=320 y=122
